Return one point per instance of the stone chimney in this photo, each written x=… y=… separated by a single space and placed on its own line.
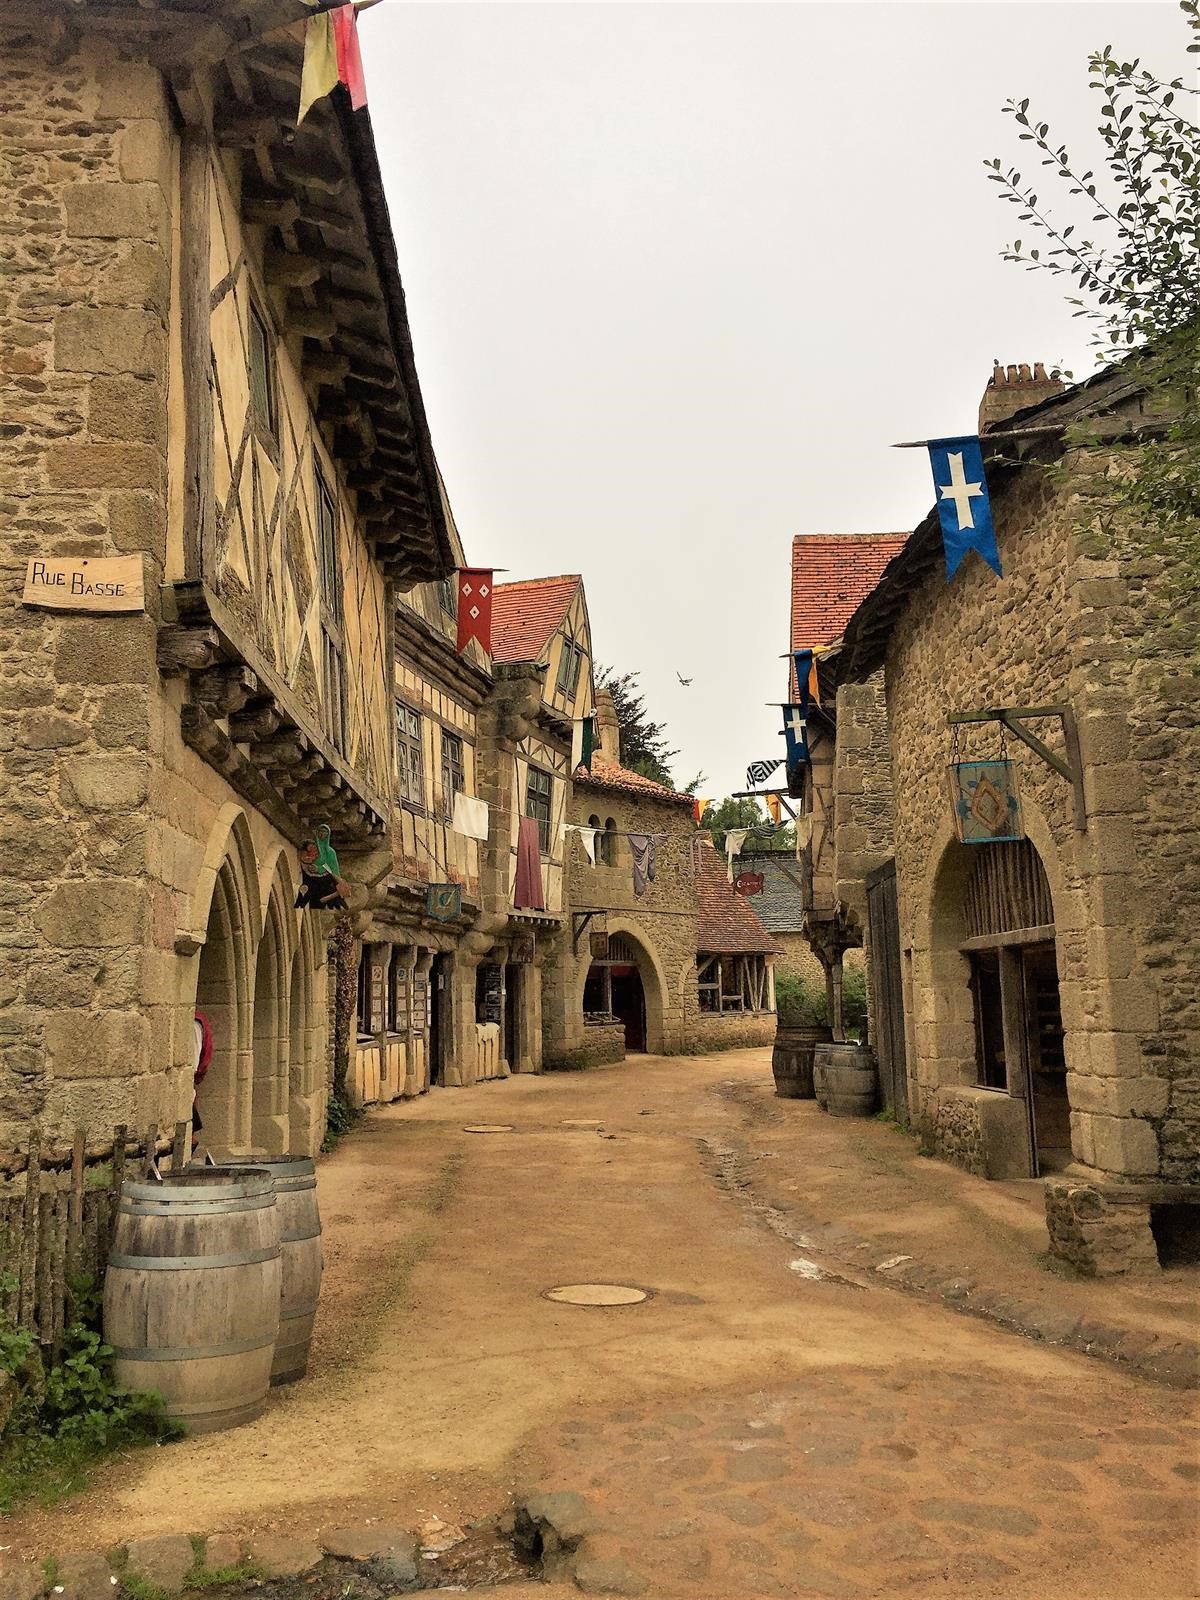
x=608 y=731
x=1011 y=389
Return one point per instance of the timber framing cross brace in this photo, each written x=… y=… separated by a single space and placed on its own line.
x=1010 y=717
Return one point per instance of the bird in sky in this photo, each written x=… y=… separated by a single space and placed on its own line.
x=684 y=681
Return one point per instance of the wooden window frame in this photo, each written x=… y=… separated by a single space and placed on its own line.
x=333 y=641
x=448 y=596
x=264 y=405
x=454 y=772
x=570 y=665
x=397 y=1002
x=410 y=757
x=534 y=798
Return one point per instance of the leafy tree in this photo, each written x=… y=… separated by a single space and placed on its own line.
x=1136 y=273
x=743 y=813
x=643 y=741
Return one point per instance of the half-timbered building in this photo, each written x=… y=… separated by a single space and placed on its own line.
x=222 y=443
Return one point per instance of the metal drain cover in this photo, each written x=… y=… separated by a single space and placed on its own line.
x=490 y=1127
x=597 y=1294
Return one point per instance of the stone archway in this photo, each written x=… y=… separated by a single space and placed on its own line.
x=222 y=997
x=633 y=951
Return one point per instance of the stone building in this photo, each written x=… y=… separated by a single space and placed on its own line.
x=1046 y=987
x=452 y=995
x=844 y=829
x=683 y=965
x=207 y=370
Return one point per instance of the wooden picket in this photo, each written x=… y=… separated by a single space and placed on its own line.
x=57 y=1214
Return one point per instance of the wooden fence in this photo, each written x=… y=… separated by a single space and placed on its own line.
x=58 y=1210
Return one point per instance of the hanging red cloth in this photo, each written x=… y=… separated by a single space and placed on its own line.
x=528 y=894
x=349 y=56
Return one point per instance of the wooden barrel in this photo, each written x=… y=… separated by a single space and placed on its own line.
x=191 y=1296
x=845 y=1080
x=792 y=1059
x=300 y=1241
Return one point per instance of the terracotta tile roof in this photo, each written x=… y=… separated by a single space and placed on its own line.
x=525 y=615
x=606 y=774
x=727 y=924
x=832 y=574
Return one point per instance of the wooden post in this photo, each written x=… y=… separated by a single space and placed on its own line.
x=150 y=1154
x=196 y=336
x=179 y=1147
x=29 y=1234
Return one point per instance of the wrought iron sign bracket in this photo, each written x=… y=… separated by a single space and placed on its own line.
x=1012 y=718
x=579 y=925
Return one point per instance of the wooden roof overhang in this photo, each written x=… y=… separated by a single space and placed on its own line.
x=1109 y=407
x=317 y=191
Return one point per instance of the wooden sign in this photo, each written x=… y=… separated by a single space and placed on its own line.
x=85 y=583
x=748 y=883
x=598 y=946
x=523 y=951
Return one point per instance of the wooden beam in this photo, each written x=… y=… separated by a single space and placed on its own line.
x=196 y=341
x=294 y=271
x=275 y=211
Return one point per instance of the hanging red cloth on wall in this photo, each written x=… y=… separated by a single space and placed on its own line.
x=528 y=894
x=475 y=607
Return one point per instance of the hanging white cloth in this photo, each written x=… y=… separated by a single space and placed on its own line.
x=588 y=839
x=470 y=817
x=734 y=839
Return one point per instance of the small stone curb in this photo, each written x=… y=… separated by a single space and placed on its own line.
x=1174 y=1363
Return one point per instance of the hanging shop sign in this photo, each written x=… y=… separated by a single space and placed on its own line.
x=598 y=945
x=987 y=804
x=85 y=583
x=443 y=901
x=748 y=883
x=523 y=950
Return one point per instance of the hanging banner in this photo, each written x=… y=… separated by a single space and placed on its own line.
x=963 y=504
x=987 y=805
x=443 y=901
x=795 y=731
x=759 y=771
x=475 y=607
x=583 y=742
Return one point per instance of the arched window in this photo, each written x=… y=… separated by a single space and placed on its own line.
x=608 y=853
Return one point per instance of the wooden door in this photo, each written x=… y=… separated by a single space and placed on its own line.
x=887 y=989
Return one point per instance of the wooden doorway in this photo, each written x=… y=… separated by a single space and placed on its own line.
x=629 y=1006
x=887 y=989
x=439 y=1019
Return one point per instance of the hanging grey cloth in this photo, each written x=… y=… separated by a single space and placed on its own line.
x=641 y=847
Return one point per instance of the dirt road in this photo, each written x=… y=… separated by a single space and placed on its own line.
x=749 y=1429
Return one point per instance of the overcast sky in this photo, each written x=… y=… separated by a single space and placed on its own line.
x=679 y=274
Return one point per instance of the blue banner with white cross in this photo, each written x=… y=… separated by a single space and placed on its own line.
x=964 y=507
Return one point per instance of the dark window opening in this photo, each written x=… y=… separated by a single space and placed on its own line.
x=453 y=772
x=262 y=374
x=489 y=992
x=410 y=772
x=537 y=804
x=447 y=596
x=608 y=843
x=990 y=1066
x=1176 y=1230
x=570 y=662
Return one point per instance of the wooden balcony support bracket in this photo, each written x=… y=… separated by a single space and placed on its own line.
x=1013 y=719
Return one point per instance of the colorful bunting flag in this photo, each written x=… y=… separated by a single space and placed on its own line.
x=475 y=607
x=699 y=807
x=964 y=506
x=331 y=56
x=774 y=807
x=759 y=771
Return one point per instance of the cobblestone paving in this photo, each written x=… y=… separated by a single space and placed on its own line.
x=854 y=1484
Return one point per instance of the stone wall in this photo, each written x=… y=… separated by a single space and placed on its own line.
x=603 y=1043
x=86 y=189
x=661 y=924
x=1078 y=618
x=145 y=882
x=730 y=1030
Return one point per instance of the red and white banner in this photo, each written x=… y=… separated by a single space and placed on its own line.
x=475 y=607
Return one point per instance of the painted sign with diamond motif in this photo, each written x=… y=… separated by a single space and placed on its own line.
x=475 y=607
x=443 y=901
x=987 y=805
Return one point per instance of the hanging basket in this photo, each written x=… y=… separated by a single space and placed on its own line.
x=986 y=801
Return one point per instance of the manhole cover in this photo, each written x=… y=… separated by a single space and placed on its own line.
x=490 y=1127
x=597 y=1294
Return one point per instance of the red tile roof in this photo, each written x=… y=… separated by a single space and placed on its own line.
x=525 y=615
x=606 y=774
x=727 y=923
x=832 y=574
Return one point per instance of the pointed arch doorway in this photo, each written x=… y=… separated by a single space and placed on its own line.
x=615 y=986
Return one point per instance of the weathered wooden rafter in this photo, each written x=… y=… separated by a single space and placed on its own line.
x=242 y=720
